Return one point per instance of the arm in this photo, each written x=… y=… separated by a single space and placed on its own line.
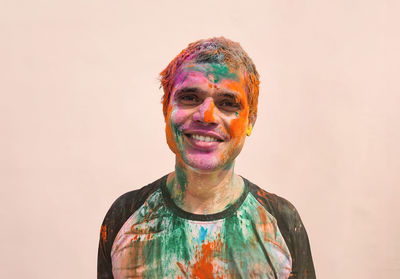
x=104 y=267
x=115 y=218
x=108 y=231
x=292 y=229
x=296 y=238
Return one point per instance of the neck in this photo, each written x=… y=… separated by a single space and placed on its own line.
x=201 y=192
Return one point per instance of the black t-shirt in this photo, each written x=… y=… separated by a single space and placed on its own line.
x=145 y=235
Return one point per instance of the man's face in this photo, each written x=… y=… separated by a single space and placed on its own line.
x=207 y=115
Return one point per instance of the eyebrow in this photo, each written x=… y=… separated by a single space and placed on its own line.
x=189 y=89
x=225 y=93
x=229 y=94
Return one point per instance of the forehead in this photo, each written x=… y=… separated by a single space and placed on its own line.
x=207 y=72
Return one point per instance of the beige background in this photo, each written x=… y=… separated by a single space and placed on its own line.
x=81 y=121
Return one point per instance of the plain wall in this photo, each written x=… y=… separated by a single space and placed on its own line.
x=81 y=121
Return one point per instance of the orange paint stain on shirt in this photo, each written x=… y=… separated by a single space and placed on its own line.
x=262 y=214
x=183 y=270
x=203 y=267
x=262 y=194
x=149 y=236
x=103 y=233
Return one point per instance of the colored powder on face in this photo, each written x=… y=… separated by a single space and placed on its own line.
x=209 y=113
x=216 y=70
x=173 y=134
x=222 y=71
x=222 y=159
x=180 y=79
x=168 y=129
x=237 y=125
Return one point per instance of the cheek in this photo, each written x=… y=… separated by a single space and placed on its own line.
x=237 y=126
x=178 y=116
x=169 y=130
x=174 y=120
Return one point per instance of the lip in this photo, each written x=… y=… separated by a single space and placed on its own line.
x=205 y=134
x=203 y=145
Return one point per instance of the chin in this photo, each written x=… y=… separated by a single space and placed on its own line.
x=203 y=163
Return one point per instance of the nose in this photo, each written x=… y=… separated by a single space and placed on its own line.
x=205 y=112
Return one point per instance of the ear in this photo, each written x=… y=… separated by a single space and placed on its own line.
x=252 y=120
x=250 y=124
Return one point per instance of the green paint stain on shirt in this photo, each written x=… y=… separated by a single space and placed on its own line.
x=158 y=243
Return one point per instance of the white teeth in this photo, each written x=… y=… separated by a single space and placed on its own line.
x=204 y=138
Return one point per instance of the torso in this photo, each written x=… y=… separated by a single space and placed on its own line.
x=160 y=240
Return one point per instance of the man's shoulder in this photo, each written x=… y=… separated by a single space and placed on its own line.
x=132 y=200
x=278 y=206
x=122 y=208
x=291 y=227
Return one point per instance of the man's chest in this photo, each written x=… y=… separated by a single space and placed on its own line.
x=166 y=246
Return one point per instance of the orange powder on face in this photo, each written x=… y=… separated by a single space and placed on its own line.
x=237 y=126
x=209 y=114
x=171 y=141
x=168 y=130
x=222 y=157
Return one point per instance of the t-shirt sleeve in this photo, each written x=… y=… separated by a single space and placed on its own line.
x=115 y=218
x=104 y=267
x=292 y=229
x=112 y=223
x=296 y=238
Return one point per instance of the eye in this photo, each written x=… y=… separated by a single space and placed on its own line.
x=229 y=105
x=189 y=99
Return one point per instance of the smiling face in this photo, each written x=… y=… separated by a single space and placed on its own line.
x=207 y=116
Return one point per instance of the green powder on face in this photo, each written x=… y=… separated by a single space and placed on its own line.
x=218 y=71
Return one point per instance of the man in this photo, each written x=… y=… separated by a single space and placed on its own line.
x=203 y=220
